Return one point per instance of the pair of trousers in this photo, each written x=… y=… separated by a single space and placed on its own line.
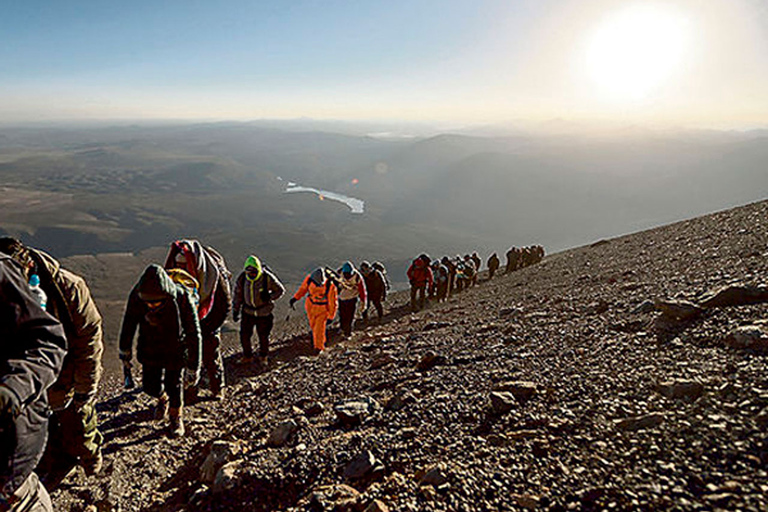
x=72 y=434
x=377 y=304
x=418 y=303
x=263 y=326
x=212 y=361
x=347 y=315
x=157 y=380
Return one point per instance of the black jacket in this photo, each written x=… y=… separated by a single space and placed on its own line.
x=169 y=336
x=32 y=349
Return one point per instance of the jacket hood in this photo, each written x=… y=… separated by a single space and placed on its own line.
x=317 y=276
x=254 y=262
x=347 y=267
x=50 y=263
x=155 y=284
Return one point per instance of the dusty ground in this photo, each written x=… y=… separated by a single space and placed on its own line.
x=588 y=424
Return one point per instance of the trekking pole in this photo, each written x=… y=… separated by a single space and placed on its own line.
x=128 y=377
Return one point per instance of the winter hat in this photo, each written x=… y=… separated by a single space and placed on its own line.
x=253 y=262
x=347 y=268
x=317 y=276
x=154 y=284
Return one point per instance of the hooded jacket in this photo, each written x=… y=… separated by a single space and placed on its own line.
x=322 y=295
x=419 y=274
x=70 y=301
x=207 y=266
x=375 y=284
x=256 y=297
x=32 y=349
x=352 y=287
x=168 y=336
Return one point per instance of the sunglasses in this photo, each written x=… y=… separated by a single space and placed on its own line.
x=153 y=304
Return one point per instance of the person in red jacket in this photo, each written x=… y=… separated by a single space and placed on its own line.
x=420 y=276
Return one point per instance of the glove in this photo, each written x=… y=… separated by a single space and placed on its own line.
x=236 y=316
x=191 y=377
x=292 y=302
x=9 y=404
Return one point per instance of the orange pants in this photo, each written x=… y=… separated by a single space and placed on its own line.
x=317 y=324
x=318 y=317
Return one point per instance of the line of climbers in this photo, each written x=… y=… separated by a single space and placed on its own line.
x=53 y=347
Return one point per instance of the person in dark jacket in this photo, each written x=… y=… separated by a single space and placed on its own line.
x=208 y=267
x=74 y=435
x=256 y=290
x=32 y=350
x=451 y=266
x=169 y=341
x=351 y=286
x=478 y=263
x=420 y=277
x=441 y=277
x=493 y=265
x=376 y=286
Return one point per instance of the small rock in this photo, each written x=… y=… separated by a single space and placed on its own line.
x=311 y=407
x=431 y=326
x=221 y=453
x=399 y=400
x=749 y=336
x=598 y=307
x=679 y=310
x=762 y=419
x=683 y=389
x=528 y=501
x=282 y=433
x=640 y=422
x=353 y=412
x=510 y=312
x=334 y=497
x=502 y=402
x=521 y=390
x=363 y=466
x=429 y=361
x=382 y=361
x=376 y=506
x=436 y=476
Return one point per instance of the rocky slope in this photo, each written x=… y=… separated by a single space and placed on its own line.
x=590 y=381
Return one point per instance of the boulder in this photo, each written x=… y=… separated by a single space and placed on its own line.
x=354 y=412
x=227 y=476
x=221 y=452
x=680 y=310
x=748 y=336
x=282 y=433
x=735 y=296
x=645 y=307
x=502 y=402
x=362 y=466
x=521 y=390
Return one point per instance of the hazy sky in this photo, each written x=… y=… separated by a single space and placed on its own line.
x=691 y=62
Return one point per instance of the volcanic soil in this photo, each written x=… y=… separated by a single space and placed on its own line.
x=568 y=385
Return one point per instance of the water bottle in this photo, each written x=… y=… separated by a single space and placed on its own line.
x=37 y=291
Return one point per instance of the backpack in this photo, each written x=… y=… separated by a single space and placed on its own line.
x=185 y=279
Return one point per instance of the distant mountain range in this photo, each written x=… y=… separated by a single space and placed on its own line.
x=86 y=190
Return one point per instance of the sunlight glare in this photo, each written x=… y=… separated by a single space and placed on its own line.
x=635 y=51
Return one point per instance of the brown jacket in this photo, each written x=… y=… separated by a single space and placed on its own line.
x=70 y=301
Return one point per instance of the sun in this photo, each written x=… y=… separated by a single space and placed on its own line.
x=635 y=51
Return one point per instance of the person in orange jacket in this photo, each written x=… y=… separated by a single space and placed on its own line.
x=321 y=303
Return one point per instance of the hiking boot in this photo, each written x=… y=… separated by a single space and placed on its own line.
x=218 y=395
x=190 y=395
x=92 y=465
x=161 y=408
x=177 y=422
x=264 y=361
x=246 y=359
